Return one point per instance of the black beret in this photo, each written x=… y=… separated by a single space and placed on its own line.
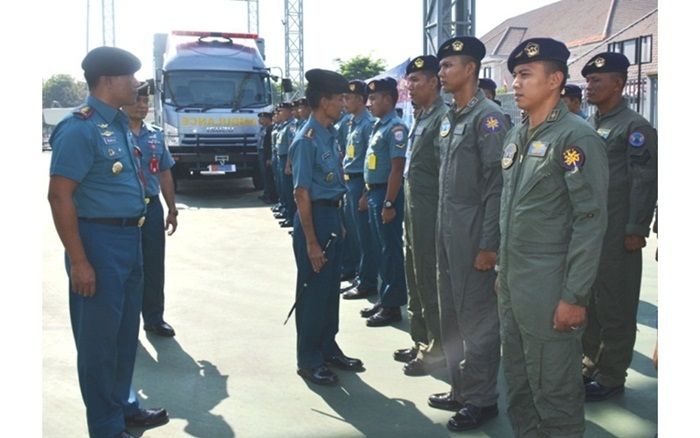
x=326 y=81
x=606 y=62
x=301 y=102
x=109 y=61
x=286 y=105
x=464 y=45
x=423 y=63
x=571 y=90
x=357 y=86
x=265 y=114
x=487 y=84
x=382 y=84
x=147 y=88
x=537 y=49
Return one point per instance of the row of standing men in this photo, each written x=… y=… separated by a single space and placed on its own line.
x=524 y=239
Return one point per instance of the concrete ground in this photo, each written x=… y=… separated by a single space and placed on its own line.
x=230 y=370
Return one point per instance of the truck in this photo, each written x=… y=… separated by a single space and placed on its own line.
x=209 y=89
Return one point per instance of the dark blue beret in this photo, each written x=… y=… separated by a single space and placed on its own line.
x=109 y=61
x=538 y=49
x=326 y=81
x=357 y=86
x=265 y=114
x=487 y=84
x=287 y=105
x=423 y=63
x=571 y=90
x=606 y=62
x=464 y=45
x=147 y=88
x=382 y=84
x=300 y=102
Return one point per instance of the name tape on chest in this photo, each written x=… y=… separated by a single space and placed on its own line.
x=603 y=133
x=537 y=149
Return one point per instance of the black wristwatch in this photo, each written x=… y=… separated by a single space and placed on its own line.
x=388 y=204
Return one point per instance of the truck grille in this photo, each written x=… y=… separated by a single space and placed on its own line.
x=202 y=142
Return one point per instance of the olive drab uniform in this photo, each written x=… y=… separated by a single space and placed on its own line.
x=422 y=171
x=470 y=188
x=553 y=219
x=608 y=342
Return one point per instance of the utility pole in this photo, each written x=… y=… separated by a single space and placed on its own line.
x=106 y=29
x=444 y=19
x=253 y=17
x=294 y=43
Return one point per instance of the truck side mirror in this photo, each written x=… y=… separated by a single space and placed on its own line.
x=287 y=85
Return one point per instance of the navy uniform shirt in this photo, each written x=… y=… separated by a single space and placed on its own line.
x=387 y=141
x=343 y=127
x=285 y=135
x=95 y=148
x=155 y=158
x=357 y=140
x=315 y=157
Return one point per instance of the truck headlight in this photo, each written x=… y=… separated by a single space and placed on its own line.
x=171 y=134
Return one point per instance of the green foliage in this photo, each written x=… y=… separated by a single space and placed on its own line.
x=62 y=90
x=360 y=67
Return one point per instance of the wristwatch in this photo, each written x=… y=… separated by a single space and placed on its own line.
x=388 y=204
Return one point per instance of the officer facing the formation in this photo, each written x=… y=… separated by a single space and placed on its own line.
x=471 y=137
x=156 y=163
x=383 y=171
x=553 y=218
x=318 y=191
x=608 y=341
x=96 y=193
x=421 y=174
x=571 y=96
x=285 y=135
x=360 y=127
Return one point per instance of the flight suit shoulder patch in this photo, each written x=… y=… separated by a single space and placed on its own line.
x=492 y=123
x=84 y=112
x=573 y=158
x=636 y=139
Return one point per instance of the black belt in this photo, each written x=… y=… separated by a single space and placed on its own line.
x=116 y=221
x=354 y=175
x=375 y=186
x=337 y=203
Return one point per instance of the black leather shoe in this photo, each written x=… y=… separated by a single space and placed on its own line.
x=597 y=392
x=276 y=208
x=348 y=277
x=444 y=401
x=345 y=363
x=319 y=375
x=418 y=367
x=405 y=354
x=160 y=329
x=286 y=224
x=356 y=294
x=124 y=434
x=148 y=418
x=279 y=215
x=369 y=311
x=471 y=417
x=385 y=316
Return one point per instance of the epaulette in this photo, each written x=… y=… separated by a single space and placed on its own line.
x=309 y=133
x=152 y=128
x=84 y=112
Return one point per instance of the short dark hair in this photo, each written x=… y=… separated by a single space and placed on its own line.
x=622 y=76
x=552 y=66
x=466 y=58
x=314 y=96
x=432 y=74
x=92 y=81
x=393 y=94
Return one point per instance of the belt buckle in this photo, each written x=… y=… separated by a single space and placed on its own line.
x=147 y=200
x=141 y=221
x=346 y=177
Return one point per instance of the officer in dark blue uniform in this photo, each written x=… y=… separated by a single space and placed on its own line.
x=285 y=134
x=383 y=171
x=318 y=191
x=156 y=163
x=302 y=112
x=269 y=195
x=572 y=95
x=96 y=193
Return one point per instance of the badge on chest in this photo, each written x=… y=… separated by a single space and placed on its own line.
x=509 y=154
x=537 y=149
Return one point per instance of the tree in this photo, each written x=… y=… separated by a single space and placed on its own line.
x=360 y=67
x=62 y=90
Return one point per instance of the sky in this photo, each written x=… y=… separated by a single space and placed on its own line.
x=332 y=29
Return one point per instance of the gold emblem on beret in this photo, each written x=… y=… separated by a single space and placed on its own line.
x=352 y=87
x=457 y=46
x=419 y=63
x=599 y=62
x=372 y=85
x=117 y=167
x=532 y=49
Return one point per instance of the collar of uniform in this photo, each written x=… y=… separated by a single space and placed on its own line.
x=384 y=120
x=557 y=112
x=107 y=112
x=478 y=97
x=624 y=103
x=364 y=115
x=320 y=131
x=437 y=103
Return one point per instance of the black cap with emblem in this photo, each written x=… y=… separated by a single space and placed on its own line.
x=538 y=49
x=109 y=61
x=462 y=45
x=571 y=90
x=606 y=62
x=301 y=102
x=147 y=88
x=326 y=81
x=386 y=84
x=427 y=63
x=487 y=84
x=357 y=86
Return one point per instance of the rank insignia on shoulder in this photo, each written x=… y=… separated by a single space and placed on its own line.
x=604 y=133
x=102 y=125
x=309 y=133
x=107 y=133
x=398 y=133
x=84 y=112
x=636 y=139
x=553 y=115
x=445 y=127
x=509 y=153
x=537 y=149
x=491 y=124
x=573 y=158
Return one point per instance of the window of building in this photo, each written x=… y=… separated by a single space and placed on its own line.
x=486 y=72
x=632 y=48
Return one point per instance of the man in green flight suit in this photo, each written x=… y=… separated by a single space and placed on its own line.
x=608 y=341
x=421 y=173
x=553 y=219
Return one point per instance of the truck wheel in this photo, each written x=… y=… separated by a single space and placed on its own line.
x=257 y=180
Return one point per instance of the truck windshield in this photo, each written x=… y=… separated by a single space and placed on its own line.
x=217 y=89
